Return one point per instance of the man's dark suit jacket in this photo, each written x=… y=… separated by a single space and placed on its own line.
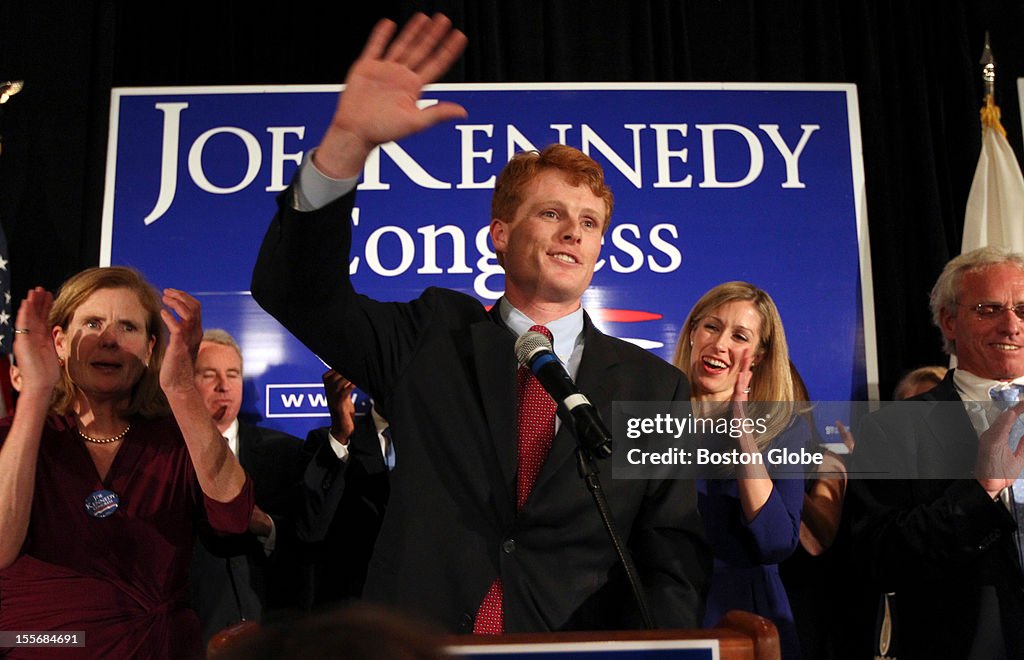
x=443 y=372
x=940 y=544
x=232 y=578
x=345 y=505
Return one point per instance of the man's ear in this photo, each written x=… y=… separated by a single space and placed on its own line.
x=499 y=238
x=947 y=323
x=499 y=235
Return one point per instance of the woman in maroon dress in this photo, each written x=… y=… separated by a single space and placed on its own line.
x=99 y=485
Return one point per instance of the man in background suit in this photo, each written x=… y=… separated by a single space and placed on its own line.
x=238 y=578
x=456 y=546
x=346 y=493
x=946 y=546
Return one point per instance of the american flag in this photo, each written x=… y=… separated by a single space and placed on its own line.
x=6 y=331
x=8 y=89
x=6 y=321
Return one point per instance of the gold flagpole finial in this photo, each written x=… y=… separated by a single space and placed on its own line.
x=990 y=113
x=988 y=68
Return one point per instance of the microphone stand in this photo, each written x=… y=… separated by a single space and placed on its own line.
x=534 y=351
x=588 y=471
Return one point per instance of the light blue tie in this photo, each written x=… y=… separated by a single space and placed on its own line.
x=1006 y=396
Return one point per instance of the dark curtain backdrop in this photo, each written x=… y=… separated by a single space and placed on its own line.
x=915 y=64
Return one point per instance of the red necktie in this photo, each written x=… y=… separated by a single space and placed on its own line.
x=536 y=420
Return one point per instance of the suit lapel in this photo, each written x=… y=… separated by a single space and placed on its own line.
x=600 y=357
x=954 y=438
x=496 y=376
x=596 y=382
x=247 y=437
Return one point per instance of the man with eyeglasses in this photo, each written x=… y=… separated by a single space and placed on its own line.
x=933 y=504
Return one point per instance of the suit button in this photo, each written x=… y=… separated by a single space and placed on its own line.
x=508 y=546
x=466 y=623
x=988 y=540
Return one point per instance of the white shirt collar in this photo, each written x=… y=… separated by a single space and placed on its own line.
x=977 y=401
x=567 y=331
x=975 y=388
x=231 y=435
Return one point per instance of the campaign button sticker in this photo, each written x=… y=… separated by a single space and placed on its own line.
x=101 y=503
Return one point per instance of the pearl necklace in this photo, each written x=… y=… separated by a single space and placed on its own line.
x=104 y=441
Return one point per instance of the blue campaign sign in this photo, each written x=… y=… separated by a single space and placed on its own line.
x=712 y=183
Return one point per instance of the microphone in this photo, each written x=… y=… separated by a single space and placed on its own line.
x=533 y=350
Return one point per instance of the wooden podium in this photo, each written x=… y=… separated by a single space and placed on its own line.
x=738 y=636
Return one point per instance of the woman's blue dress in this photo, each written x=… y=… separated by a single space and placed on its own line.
x=746 y=571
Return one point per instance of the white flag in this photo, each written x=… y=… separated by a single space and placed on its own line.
x=995 y=206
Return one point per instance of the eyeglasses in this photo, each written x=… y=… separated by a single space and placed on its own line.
x=992 y=310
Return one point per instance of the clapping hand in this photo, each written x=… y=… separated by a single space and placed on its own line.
x=740 y=396
x=741 y=391
x=33 y=342
x=185 y=329
x=339 y=403
x=847 y=436
x=997 y=465
x=260 y=523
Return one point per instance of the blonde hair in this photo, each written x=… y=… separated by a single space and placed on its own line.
x=147 y=399
x=921 y=379
x=772 y=379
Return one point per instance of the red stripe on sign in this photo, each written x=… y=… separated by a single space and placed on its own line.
x=623 y=315
x=617 y=315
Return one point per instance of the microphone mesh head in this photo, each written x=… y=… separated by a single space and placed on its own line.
x=528 y=344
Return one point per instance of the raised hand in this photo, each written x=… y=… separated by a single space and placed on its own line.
x=185 y=329
x=378 y=103
x=33 y=343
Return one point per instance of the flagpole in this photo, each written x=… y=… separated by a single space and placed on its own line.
x=8 y=89
x=994 y=215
